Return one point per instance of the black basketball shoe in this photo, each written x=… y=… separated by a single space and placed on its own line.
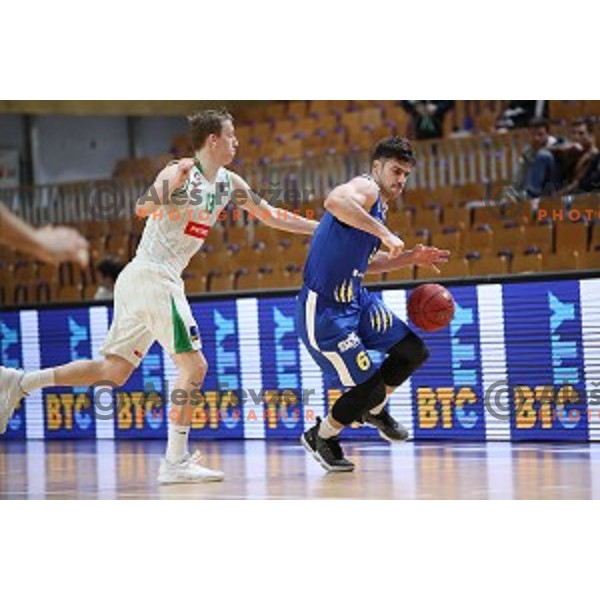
x=326 y=451
x=389 y=428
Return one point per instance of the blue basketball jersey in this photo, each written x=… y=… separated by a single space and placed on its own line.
x=339 y=257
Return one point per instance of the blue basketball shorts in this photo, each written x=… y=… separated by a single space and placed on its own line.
x=338 y=336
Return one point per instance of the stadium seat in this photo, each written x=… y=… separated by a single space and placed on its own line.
x=457 y=267
x=511 y=239
x=48 y=272
x=427 y=218
x=526 y=263
x=117 y=245
x=595 y=237
x=295 y=254
x=399 y=221
x=485 y=214
x=403 y=274
x=196 y=284
x=590 y=260
x=571 y=236
x=246 y=281
x=417 y=197
x=471 y=191
x=411 y=240
x=586 y=202
x=293 y=278
x=297 y=109
x=372 y=278
x=25 y=271
x=221 y=283
x=565 y=260
x=446 y=195
x=457 y=216
x=539 y=236
x=447 y=239
x=551 y=207
x=70 y=293
x=237 y=236
x=489 y=265
x=478 y=240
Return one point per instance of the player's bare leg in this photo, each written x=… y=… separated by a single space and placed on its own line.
x=15 y=384
x=179 y=466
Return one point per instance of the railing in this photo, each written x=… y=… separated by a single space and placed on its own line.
x=441 y=163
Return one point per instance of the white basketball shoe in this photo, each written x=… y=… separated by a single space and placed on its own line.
x=10 y=394
x=188 y=470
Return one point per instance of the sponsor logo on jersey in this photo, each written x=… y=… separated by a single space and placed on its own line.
x=197 y=230
x=352 y=341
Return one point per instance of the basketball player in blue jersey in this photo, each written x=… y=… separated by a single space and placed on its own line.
x=339 y=320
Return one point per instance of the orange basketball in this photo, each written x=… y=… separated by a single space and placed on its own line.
x=431 y=307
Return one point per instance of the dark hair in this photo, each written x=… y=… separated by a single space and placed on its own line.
x=110 y=266
x=538 y=122
x=394 y=147
x=587 y=123
x=206 y=122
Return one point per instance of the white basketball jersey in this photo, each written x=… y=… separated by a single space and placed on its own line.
x=176 y=231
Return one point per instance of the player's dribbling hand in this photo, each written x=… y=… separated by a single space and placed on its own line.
x=184 y=167
x=58 y=244
x=394 y=245
x=429 y=256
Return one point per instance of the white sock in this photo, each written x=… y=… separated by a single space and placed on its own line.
x=327 y=430
x=177 y=445
x=379 y=407
x=37 y=379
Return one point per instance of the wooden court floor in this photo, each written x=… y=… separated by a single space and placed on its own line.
x=282 y=470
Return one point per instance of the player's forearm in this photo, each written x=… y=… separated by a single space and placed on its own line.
x=288 y=221
x=156 y=196
x=383 y=264
x=348 y=211
x=18 y=234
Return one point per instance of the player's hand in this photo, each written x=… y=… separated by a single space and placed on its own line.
x=429 y=256
x=394 y=244
x=58 y=244
x=184 y=166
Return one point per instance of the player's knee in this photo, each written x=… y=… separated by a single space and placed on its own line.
x=359 y=399
x=411 y=349
x=403 y=359
x=195 y=370
x=118 y=372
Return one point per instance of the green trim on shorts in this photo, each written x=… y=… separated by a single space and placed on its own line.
x=182 y=337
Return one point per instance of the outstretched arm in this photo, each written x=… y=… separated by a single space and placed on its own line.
x=422 y=256
x=48 y=244
x=267 y=214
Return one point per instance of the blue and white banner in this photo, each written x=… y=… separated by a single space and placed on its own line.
x=520 y=361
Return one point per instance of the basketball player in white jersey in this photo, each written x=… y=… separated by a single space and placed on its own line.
x=150 y=301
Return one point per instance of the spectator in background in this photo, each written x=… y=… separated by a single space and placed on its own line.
x=428 y=116
x=519 y=113
x=108 y=268
x=583 y=152
x=538 y=168
x=590 y=182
